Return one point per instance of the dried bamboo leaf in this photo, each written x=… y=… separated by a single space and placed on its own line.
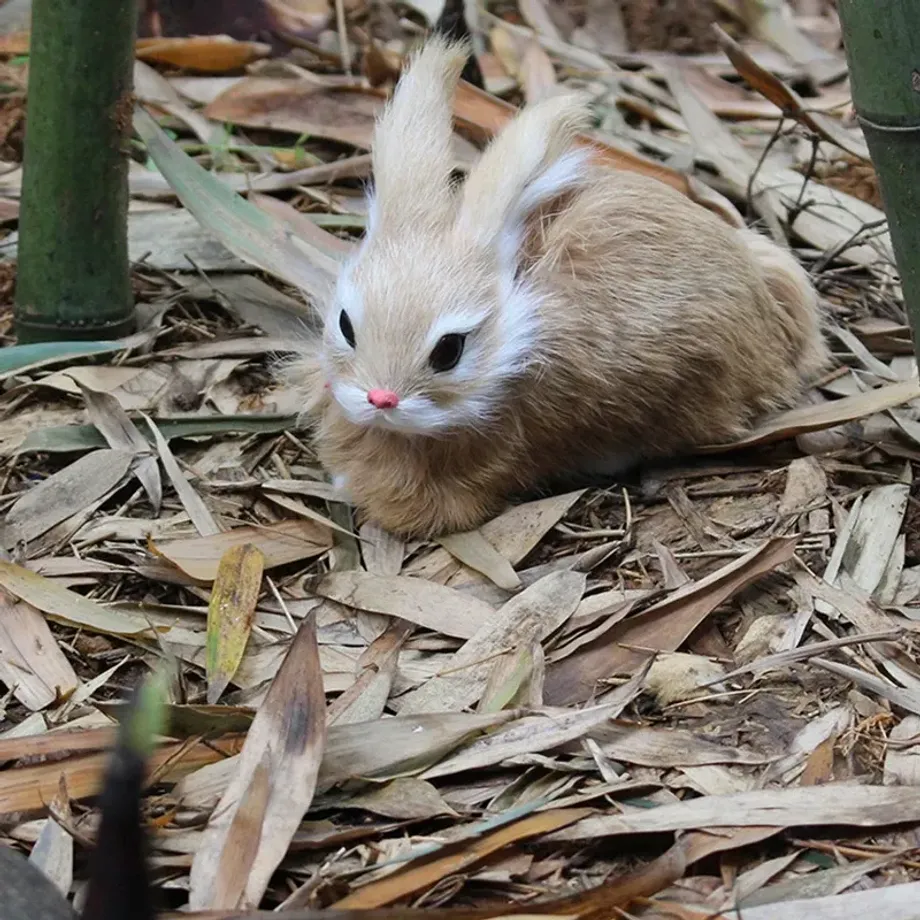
x=382 y=551
x=64 y=494
x=514 y=533
x=527 y=618
x=196 y=509
x=32 y=664
x=245 y=230
x=664 y=626
x=287 y=541
x=541 y=732
x=382 y=749
x=845 y=804
x=413 y=599
x=287 y=736
x=66 y=606
x=231 y=611
x=474 y=550
x=826 y=415
x=107 y=414
x=417 y=877
x=404 y=798
x=787 y=99
x=53 y=851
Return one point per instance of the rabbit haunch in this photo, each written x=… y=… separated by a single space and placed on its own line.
x=551 y=316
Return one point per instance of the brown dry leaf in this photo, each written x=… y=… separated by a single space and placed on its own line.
x=299 y=106
x=514 y=533
x=527 y=618
x=66 y=493
x=288 y=734
x=381 y=749
x=663 y=627
x=892 y=902
x=485 y=115
x=281 y=543
x=450 y=860
x=231 y=612
x=668 y=747
x=241 y=846
x=833 y=220
x=787 y=98
x=210 y=53
x=366 y=699
x=826 y=415
x=421 y=602
x=474 y=550
x=806 y=484
x=902 y=758
x=31 y=788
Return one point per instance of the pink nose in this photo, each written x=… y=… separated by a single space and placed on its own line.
x=383 y=399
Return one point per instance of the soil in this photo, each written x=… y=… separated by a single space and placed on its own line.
x=679 y=26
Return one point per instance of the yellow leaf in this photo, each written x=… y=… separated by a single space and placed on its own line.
x=231 y=611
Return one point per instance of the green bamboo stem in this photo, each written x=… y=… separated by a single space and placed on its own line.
x=74 y=278
x=882 y=40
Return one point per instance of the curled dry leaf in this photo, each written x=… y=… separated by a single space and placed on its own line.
x=787 y=98
x=210 y=53
x=231 y=611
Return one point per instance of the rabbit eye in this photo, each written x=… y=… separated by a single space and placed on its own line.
x=347 y=329
x=447 y=353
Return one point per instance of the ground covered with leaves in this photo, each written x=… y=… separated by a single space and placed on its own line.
x=692 y=691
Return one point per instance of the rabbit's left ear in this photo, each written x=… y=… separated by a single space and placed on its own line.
x=412 y=145
x=531 y=161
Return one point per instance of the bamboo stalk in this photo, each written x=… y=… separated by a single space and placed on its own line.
x=883 y=51
x=74 y=278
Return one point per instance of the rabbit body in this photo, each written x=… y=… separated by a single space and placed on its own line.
x=605 y=319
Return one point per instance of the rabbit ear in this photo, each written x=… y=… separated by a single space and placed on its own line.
x=411 y=152
x=527 y=164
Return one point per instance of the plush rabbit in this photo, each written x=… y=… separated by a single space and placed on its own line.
x=551 y=315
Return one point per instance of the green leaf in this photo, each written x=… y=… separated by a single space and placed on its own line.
x=18 y=357
x=247 y=231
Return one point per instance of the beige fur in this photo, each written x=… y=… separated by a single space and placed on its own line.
x=639 y=325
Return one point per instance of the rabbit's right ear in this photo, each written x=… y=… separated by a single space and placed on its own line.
x=531 y=161
x=412 y=144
